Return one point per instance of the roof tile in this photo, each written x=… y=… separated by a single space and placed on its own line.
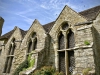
x=91 y=13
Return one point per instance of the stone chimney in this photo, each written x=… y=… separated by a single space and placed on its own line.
x=1 y=24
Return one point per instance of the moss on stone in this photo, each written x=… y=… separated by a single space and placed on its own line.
x=86 y=42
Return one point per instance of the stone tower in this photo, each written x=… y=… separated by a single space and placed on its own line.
x=1 y=24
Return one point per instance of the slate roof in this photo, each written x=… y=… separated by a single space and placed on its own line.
x=23 y=32
x=8 y=35
x=48 y=26
x=91 y=13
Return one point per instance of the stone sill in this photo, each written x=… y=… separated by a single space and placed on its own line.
x=75 y=48
x=27 y=72
x=10 y=56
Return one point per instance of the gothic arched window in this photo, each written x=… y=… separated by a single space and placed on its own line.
x=10 y=56
x=35 y=44
x=61 y=43
x=32 y=45
x=70 y=39
x=65 y=41
x=29 y=46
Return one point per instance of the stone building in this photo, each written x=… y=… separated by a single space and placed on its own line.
x=70 y=44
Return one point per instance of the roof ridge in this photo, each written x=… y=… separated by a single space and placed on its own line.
x=49 y=23
x=8 y=34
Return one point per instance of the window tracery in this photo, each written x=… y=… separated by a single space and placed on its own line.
x=65 y=41
x=32 y=43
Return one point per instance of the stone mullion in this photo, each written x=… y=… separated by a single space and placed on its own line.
x=32 y=46
x=8 y=64
x=56 y=55
x=66 y=54
x=28 y=47
x=66 y=63
x=10 y=59
x=12 y=48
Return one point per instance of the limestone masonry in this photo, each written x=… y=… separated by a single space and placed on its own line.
x=71 y=44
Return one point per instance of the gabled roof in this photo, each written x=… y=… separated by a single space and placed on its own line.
x=91 y=13
x=48 y=26
x=8 y=35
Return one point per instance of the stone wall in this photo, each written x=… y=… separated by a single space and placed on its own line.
x=18 y=54
x=96 y=44
x=41 y=49
x=2 y=57
x=83 y=35
x=83 y=59
x=51 y=55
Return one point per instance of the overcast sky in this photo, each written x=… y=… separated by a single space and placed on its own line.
x=22 y=13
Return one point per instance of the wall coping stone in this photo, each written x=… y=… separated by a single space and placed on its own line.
x=84 y=27
x=82 y=23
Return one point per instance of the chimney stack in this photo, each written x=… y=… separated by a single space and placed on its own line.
x=1 y=24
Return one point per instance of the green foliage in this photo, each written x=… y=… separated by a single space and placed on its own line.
x=47 y=70
x=31 y=62
x=25 y=65
x=58 y=73
x=86 y=42
x=86 y=71
x=22 y=66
